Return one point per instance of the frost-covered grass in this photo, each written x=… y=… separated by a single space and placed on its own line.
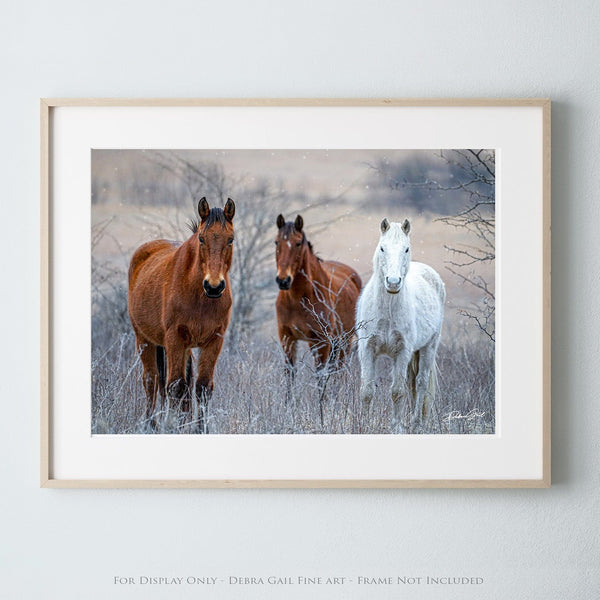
x=250 y=392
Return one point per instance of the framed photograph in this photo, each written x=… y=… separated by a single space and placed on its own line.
x=295 y=293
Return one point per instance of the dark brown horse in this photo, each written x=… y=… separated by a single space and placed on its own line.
x=179 y=299
x=317 y=298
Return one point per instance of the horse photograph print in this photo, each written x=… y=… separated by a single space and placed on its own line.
x=275 y=291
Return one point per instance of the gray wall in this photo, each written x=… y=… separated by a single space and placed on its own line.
x=525 y=544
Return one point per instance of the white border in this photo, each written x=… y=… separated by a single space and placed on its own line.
x=514 y=452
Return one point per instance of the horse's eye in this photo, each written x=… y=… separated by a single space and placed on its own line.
x=381 y=248
x=406 y=250
x=230 y=241
x=201 y=239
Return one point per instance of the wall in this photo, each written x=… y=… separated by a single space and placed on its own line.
x=524 y=543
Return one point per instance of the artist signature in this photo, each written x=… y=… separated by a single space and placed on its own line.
x=470 y=416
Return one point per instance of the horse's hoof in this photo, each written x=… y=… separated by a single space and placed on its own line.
x=176 y=389
x=203 y=393
x=366 y=395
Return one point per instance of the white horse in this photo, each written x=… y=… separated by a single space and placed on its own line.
x=400 y=314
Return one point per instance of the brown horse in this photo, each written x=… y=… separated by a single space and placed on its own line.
x=317 y=298
x=179 y=299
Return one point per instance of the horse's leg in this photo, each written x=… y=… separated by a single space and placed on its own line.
x=322 y=353
x=147 y=352
x=426 y=365
x=189 y=370
x=289 y=349
x=367 y=357
x=399 y=385
x=177 y=355
x=411 y=378
x=189 y=375
x=206 y=368
x=161 y=364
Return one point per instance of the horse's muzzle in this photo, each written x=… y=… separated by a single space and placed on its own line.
x=214 y=292
x=392 y=284
x=284 y=284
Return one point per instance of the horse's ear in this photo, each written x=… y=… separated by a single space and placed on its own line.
x=299 y=223
x=385 y=225
x=229 y=209
x=203 y=208
x=406 y=226
x=280 y=221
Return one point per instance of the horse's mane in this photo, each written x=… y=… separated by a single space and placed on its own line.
x=312 y=251
x=290 y=228
x=193 y=225
x=215 y=215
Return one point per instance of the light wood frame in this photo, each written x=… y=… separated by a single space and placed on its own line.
x=46 y=478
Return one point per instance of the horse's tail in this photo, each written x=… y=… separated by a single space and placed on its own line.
x=161 y=366
x=413 y=369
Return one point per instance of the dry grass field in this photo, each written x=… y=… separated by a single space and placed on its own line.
x=249 y=396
